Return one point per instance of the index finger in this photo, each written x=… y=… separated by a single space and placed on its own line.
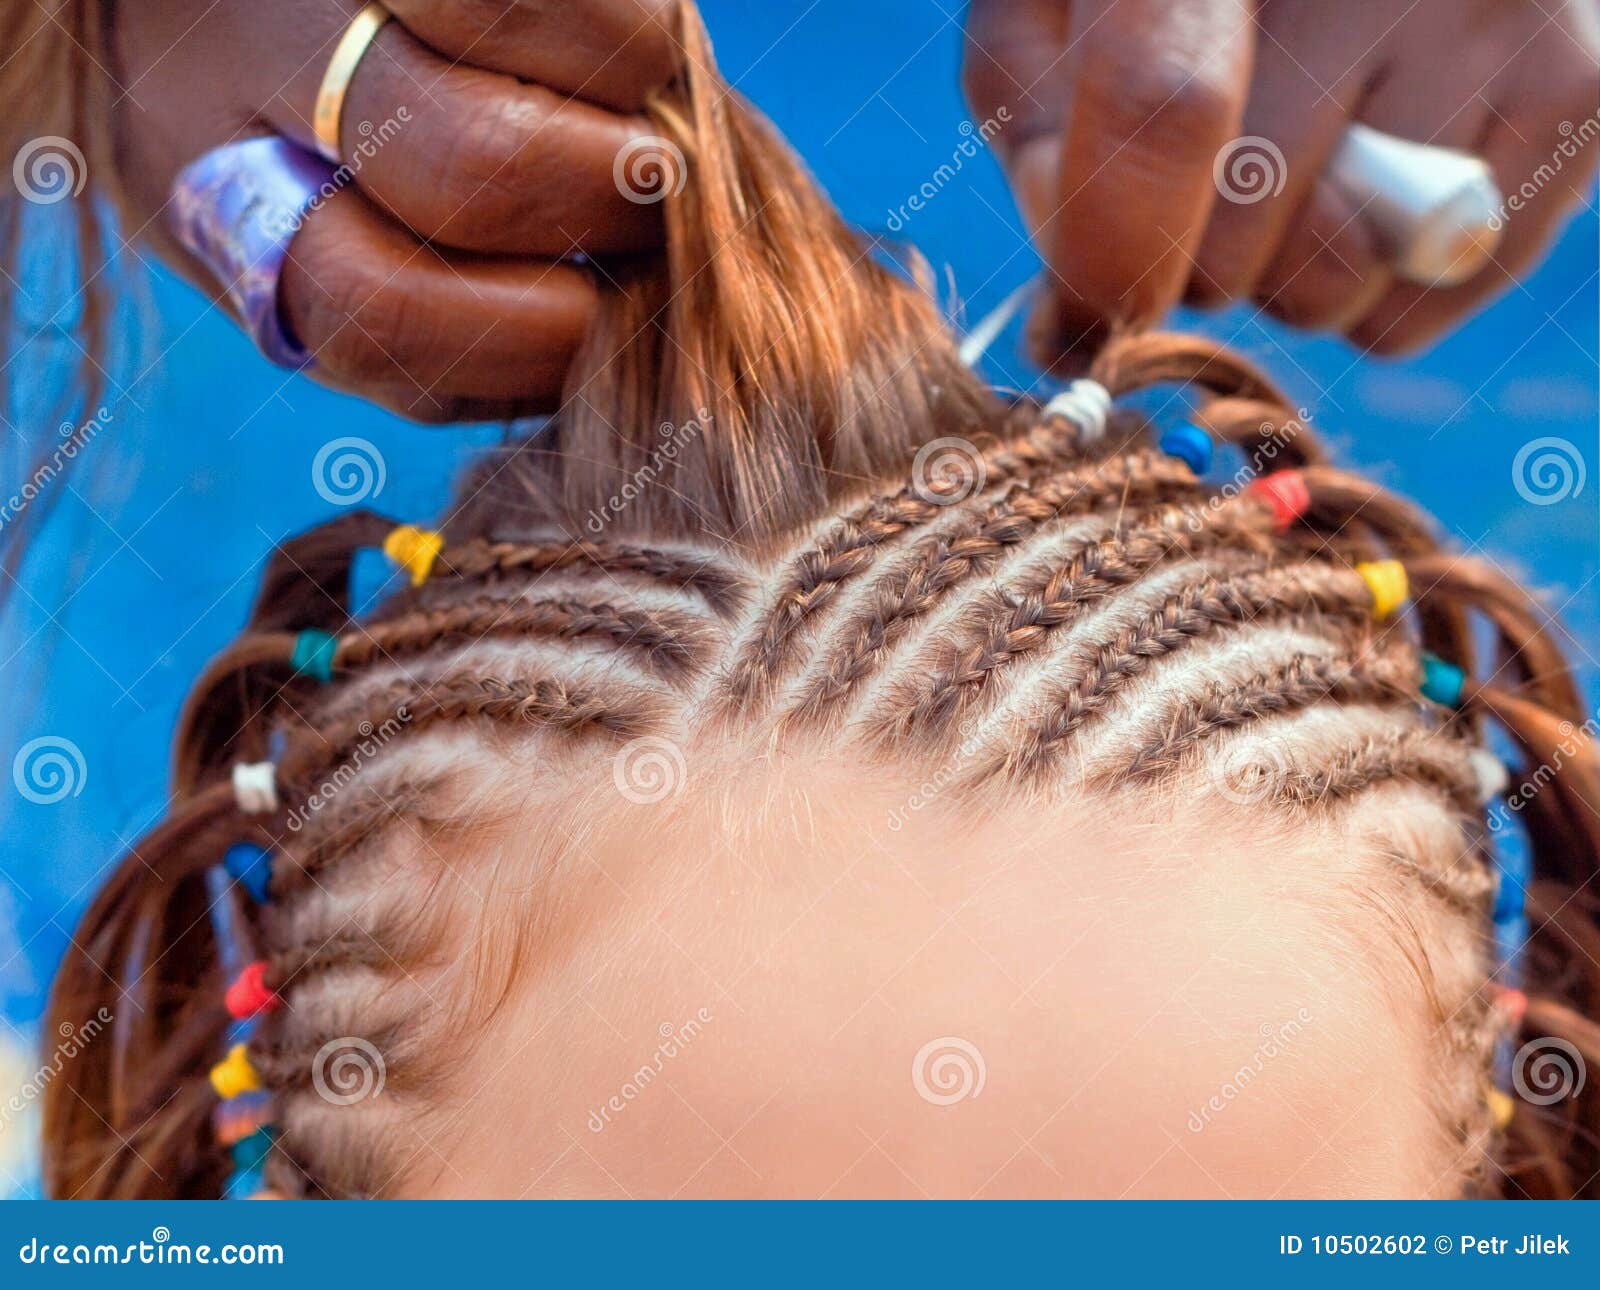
x=1158 y=91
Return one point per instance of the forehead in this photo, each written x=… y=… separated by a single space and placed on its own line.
x=812 y=984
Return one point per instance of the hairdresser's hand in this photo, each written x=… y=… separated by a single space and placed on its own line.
x=433 y=281
x=1120 y=108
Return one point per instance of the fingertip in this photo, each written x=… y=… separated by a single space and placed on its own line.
x=1407 y=320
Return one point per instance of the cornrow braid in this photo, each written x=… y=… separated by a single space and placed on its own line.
x=949 y=563
x=851 y=548
x=1372 y=676
x=510 y=700
x=700 y=573
x=1197 y=610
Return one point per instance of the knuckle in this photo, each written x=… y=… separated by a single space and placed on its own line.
x=491 y=182
x=352 y=322
x=462 y=165
x=1169 y=100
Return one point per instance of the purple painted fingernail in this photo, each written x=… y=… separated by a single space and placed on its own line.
x=237 y=208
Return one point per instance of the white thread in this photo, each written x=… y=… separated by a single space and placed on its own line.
x=1493 y=778
x=255 y=787
x=989 y=327
x=1086 y=404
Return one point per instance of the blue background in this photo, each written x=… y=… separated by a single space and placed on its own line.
x=153 y=547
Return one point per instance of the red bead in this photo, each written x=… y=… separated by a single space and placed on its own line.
x=1513 y=1003
x=249 y=995
x=1285 y=491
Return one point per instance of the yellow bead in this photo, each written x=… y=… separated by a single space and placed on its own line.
x=234 y=1074
x=1501 y=1107
x=414 y=550
x=1386 y=580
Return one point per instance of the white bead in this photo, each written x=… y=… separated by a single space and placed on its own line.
x=1086 y=404
x=255 y=787
x=1493 y=779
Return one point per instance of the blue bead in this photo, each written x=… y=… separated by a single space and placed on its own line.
x=1190 y=445
x=1442 y=682
x=250 y=866
x=313 y=654
x=250 y=1153
x=243 y=1184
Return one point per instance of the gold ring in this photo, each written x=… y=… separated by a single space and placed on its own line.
x=336 y=80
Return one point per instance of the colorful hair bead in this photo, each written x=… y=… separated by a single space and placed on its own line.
x=1087 y=404
x=239 y=1117
x=234 y=1074
x=1442 y=682
x=255 y=787
x=1285 y=492
x=244 y=1184
x=1491 y=774
x=249 y=994
x=251 y=1152
x=1501 y=1107
x=1513 y=1004
x=250 y=867
x=414 y=550
x=1190 y=445
x=313 y=654
x=1388 y=583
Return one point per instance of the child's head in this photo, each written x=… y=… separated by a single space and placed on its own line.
x=929 y=794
